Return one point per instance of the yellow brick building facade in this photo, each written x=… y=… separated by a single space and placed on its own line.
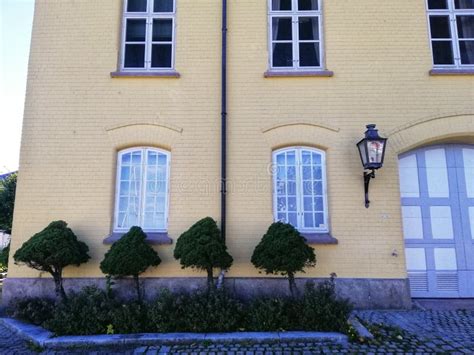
x=78 y=117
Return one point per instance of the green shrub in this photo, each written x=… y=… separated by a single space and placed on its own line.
x=269 y=314
x=130 y=256
x=51 y=250
x=7 y=202
x=85 y=313
x=4 y=254
x=283 y=251
x=213 y=311
x=34 y=310
x=201 y=247
x=130 y=318
x=321 y=310
x=168 y=312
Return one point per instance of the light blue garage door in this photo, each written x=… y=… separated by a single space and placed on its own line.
x=437 y=194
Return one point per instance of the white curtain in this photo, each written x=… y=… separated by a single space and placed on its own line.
x=465 y=4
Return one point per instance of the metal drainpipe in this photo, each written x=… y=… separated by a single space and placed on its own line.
x=220 y=279
x=224 y=121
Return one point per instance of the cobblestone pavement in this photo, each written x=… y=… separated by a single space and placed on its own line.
x=396 y=332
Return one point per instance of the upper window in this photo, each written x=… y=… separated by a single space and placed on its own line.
x=300 y=189
x=142 y=190
x=148 y=35
x=451 y=24
x=295 y=34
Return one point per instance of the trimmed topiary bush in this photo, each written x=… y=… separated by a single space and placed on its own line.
x=130 y=256
x=51 y=250
x=201 y=247
x=283 y=251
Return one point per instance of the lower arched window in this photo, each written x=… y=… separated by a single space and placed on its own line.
x=300 y=189
x=142 y=189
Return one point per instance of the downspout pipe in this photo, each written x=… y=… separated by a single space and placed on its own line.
x=224 y=121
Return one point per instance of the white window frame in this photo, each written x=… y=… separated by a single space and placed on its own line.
x=294 y=14
x=452 y=12
x=299 y=194
x=144 y=151
x=149 y=16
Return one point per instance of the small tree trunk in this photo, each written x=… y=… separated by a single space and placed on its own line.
x=58 y=283
x=291 y=280
x=210 y=279
x=137 y=287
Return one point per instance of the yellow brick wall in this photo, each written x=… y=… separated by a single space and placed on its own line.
x=77 y=117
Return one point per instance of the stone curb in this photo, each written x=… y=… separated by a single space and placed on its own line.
x=360 y=328
x=46 y=339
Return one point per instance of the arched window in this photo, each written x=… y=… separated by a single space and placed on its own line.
x=299 y=196
x=142 y=189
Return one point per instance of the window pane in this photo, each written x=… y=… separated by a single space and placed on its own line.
x=291 y=188
x=319 y=218
x=437 y=4
x=134 y=56
x=163 y=6
x=136 y=30
x=292 y=204
x=318 y=204
x=308 y=28
x=282 y=29
x=464 y=4
x=292 y=219
x=309 y=55
x=308 y=5
x=161 y=56
x=136 y=6
x=442 y=52
x=281 y=204
x=281 y=5
x=308 y=220
x=465 y=26
x=440 y=27
x=162 y=30
x=282 y=55
x=308 y=204
x=467 y=52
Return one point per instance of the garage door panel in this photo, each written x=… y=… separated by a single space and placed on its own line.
x=438 y=217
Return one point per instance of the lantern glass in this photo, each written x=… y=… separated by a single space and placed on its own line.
x=375 y=150
x=372 y=149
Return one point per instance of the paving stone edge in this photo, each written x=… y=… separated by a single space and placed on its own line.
x=46 y=339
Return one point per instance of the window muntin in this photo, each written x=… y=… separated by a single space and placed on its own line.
x=451 y=26
x=142 y=189
x=148 y=35
x=295 y=33
x=299 y=182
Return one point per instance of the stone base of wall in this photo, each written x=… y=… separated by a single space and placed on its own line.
x=364 y=293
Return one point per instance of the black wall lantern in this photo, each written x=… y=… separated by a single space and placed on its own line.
x=372 y=154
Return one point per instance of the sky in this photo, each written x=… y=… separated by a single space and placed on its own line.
x=16 y=18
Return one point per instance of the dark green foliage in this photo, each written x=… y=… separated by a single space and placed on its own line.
x=51 y=250
x=201 y=247
x=7 y=202
x=4 y=254
x=34 y=310
x=130 y=318
x=92 y=312
x=87 y=312
x=283 y=251
x=269 y=314
x=321 y=310
x=212 y=311
x=130 y=256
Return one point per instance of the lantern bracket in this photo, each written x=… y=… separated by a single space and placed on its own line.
x=367 y=177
